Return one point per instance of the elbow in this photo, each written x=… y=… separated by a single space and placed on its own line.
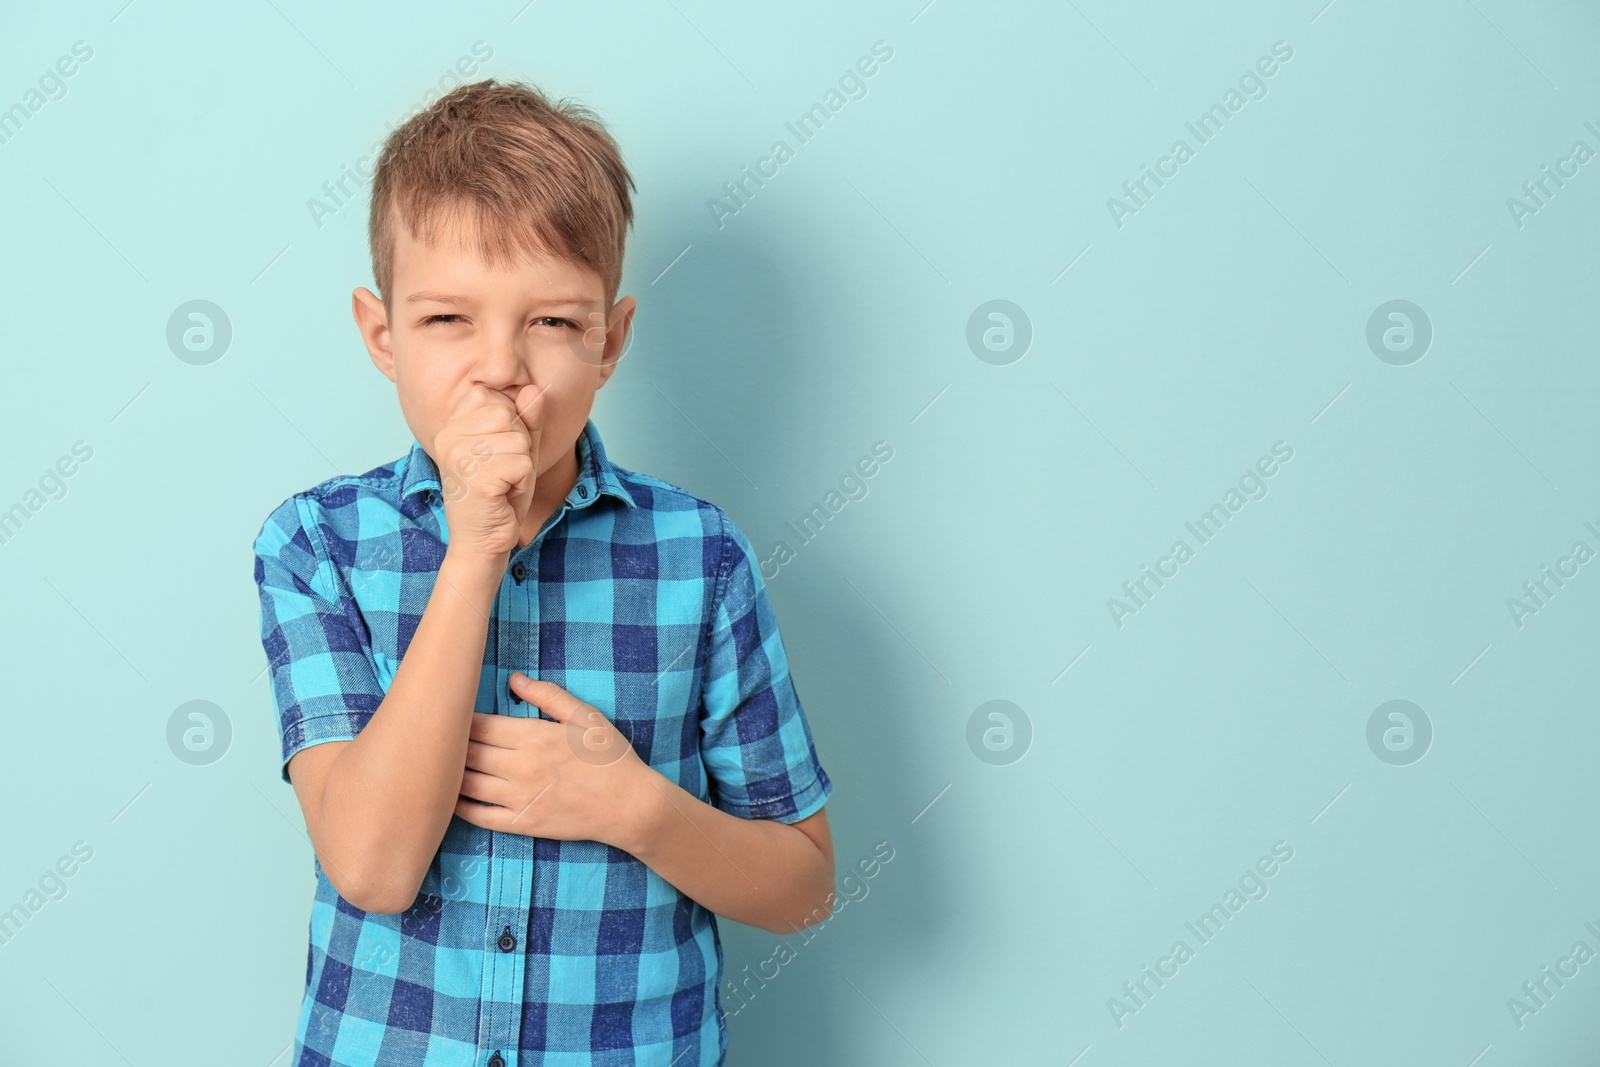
x=375 y=895
x=793 y=924
x=379 y=900
x=386 y=904
x=821 y=904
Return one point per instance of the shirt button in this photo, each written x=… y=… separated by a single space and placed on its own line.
x=497 y=1060
x=583 y=492
x=507 y=941
x=518 y=571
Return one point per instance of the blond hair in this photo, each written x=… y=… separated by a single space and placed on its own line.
x=534 y=177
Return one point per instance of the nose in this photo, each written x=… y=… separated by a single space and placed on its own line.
x=501 y=366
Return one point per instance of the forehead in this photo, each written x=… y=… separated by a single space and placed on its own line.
x=452 y=262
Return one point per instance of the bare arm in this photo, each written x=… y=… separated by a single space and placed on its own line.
x=772 y=875
x=761 y=872
x=578 y=778
x=574 y=777
x=377 y=807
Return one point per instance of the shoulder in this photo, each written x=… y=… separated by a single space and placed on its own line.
x=674 y=512
x=337 y=509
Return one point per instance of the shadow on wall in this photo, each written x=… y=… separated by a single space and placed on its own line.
x=735 y=422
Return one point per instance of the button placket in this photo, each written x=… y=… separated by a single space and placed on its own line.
x=519 y=574
x=511 y=868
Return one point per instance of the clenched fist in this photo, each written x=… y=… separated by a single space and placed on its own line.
x=488 y=454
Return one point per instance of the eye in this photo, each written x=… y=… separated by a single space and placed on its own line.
x=558 y=323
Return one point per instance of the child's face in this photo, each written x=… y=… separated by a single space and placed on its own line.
x=456 y=321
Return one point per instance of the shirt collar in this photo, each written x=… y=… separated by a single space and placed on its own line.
x=596 y=474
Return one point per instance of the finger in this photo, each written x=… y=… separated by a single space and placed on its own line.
x=478 y=815
x=493 y=730
x=531 y=410
x=535 y=438
x=521 y=495
x=490 y=759
x=553 y=700
x=484 y=787
x=488 y=416
x=529 y=418
x=530 y=405
x=477 y=396
x=490 y=394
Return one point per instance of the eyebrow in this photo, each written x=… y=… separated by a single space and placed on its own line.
x=451 y=298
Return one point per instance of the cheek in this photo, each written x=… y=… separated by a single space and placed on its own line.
x=569 y=361
x=572 y=384
x=427 y=389
x=574 y=355
x=424 y=378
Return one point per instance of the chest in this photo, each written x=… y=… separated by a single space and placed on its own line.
x=621 y=624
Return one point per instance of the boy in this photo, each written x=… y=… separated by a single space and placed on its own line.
x=514 y=871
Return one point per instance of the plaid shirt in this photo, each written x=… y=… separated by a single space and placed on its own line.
x=640 y=599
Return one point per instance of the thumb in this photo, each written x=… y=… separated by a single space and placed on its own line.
x=530 y=412
x=560 y=705
x=596 y=741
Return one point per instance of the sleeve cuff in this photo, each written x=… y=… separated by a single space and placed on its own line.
x=790 y=809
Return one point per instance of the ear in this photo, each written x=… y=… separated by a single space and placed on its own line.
x=618 y=324
x=373 y=323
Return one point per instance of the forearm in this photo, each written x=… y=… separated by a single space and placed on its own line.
x=760 y=872
x=392 y=790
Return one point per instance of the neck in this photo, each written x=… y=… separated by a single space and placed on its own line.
x=549 y=492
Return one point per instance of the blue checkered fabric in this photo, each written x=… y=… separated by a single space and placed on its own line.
x=641 y=600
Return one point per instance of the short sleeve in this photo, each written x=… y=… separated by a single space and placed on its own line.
x=323 y=681
x=755 y=740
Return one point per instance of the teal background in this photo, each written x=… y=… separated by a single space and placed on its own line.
x=831 y=312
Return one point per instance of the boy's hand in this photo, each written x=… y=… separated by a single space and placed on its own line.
x=574 y=779
x=487 y=453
